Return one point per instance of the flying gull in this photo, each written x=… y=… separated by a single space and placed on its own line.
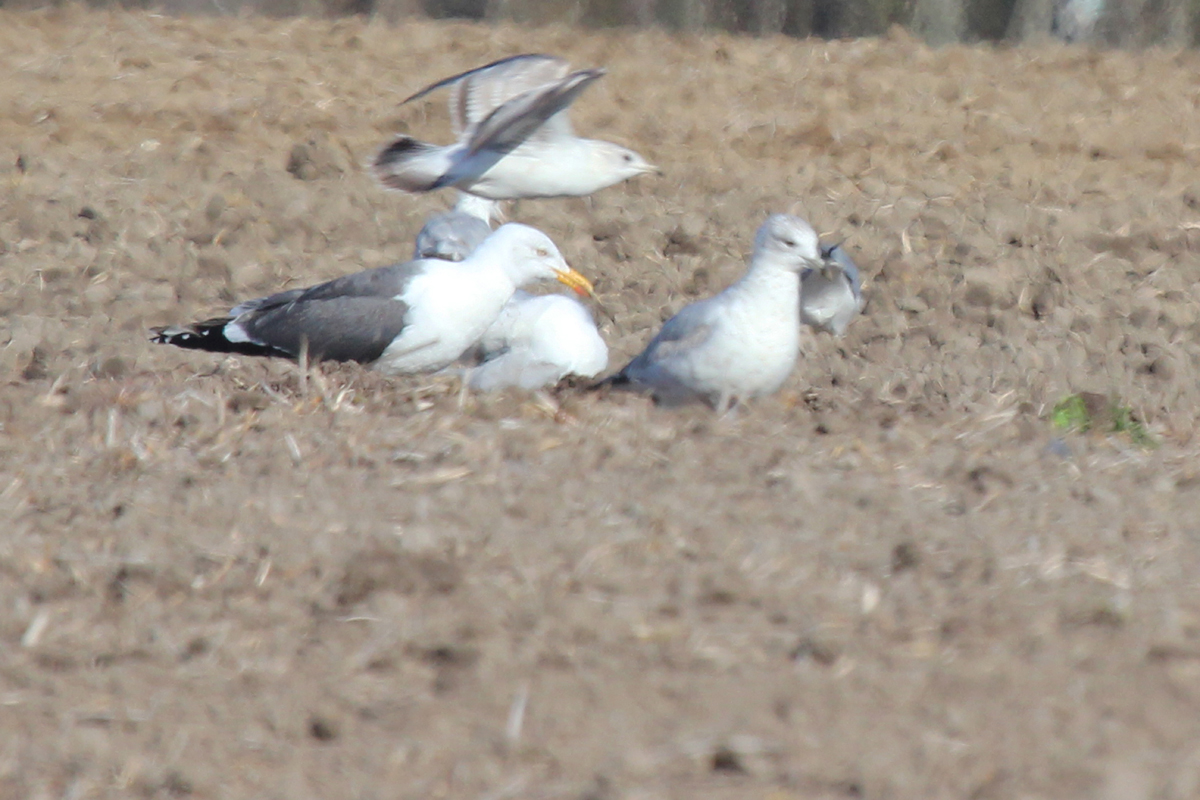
x=743 y=342
x=537 y=341
x=514 y=139
x=831 y=297
x=413 y=317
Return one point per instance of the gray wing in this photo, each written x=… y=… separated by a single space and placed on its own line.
x=345 y=328
x=381 y=282
x=683 y=332
x=451 y=236
x=478 y=92
x=352 y=318
x=539 y=113
x=662 y=367
x=838 y=255
x=270 y=301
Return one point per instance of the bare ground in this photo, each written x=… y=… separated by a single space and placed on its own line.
x=224 y=579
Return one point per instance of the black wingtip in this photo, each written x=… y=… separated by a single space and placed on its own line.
x=210 y=336
x=401 y=149
x=398 y=150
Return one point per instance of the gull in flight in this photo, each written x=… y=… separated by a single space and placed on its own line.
x=743 y=342
x=831 y=297
x=417 y=316
x=514 y=139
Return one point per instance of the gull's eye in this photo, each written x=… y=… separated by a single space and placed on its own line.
x=628 y=158
x=788 y=243
x=542 y=252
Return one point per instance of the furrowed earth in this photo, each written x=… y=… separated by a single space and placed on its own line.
x=223 y=577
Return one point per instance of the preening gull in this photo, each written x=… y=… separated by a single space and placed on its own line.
x=413 y=317
x=513 y=136
x=831 y=296
x=741 y=343
x=537 y=341
x=454 y=235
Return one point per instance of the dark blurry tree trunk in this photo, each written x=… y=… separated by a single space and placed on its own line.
x=838 y=19
x=1031 y=20
x=396 y=10
x=769 y=16
x=939 y=22
x=1181 y=23
x=537 y=11
x=799 y=19
x=641 y=12
x=988 y=19
x=683 y=15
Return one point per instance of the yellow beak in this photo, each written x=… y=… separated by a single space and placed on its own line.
x=580 y=284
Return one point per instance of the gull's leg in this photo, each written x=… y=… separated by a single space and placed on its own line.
x=464 y=376
x=724 y=404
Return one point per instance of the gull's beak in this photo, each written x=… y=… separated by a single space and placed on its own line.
x=653 y=170
x=581 y=285
x=829 y=269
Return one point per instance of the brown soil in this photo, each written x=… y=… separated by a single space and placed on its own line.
x=222 y=579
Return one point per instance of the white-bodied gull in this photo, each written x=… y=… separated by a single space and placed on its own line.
x=743 y=342
x=513 y=136
x=831 y=297
x=413 y=317
x=537 y=341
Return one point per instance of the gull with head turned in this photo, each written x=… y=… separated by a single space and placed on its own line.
x=743 y=342
x=454 y=235
x=831 y=297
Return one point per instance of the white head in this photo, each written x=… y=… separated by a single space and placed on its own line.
x=618 y=163
x=789 y=242
x=479 y=207
x=527 y=255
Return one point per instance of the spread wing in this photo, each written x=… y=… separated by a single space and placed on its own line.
x=537 y=115
x=478 y=92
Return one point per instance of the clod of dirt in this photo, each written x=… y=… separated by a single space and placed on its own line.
x=111 y=367
x=176 y=784
x=370 y=571
x=725 y=760
x=316 y=159
x=247 y=401
x=322 y=728
x=681 y=242
x=821 y=652
x=35 y=366
x=1044 y=301
x=988 y=289
x=905 y=556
